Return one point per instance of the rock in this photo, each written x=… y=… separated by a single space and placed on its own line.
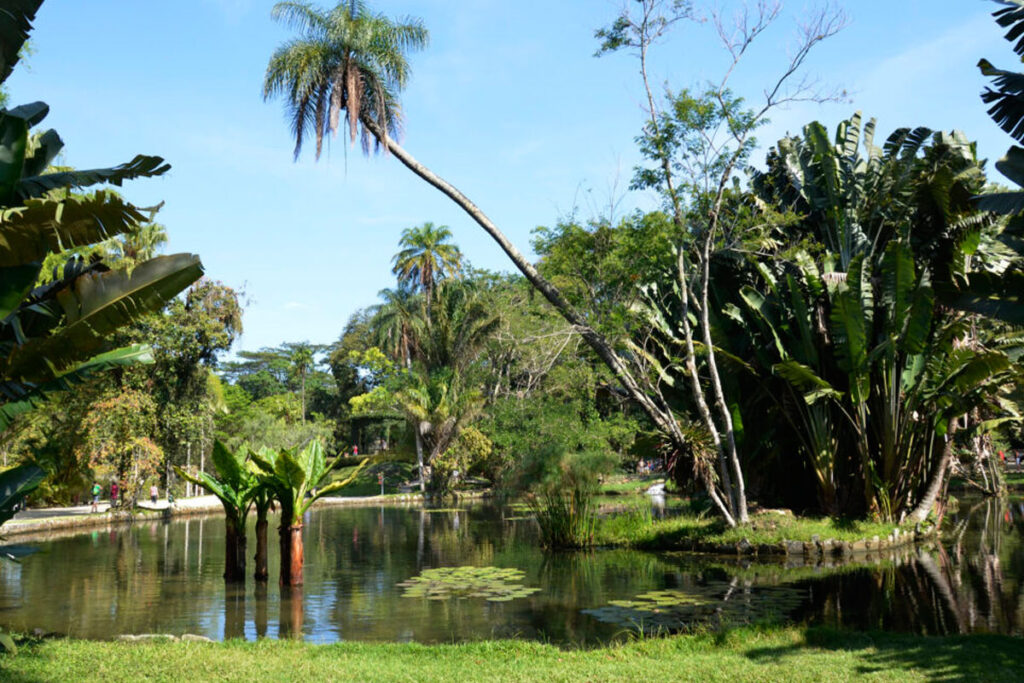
x=860 y=546
x=810 y=549
x=794 y=547
x=815 y=538
x=744 y=547
x=195 y=638
x=148 y=637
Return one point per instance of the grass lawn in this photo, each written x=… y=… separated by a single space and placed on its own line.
x=637 y=530
x=366 y=484
x=790 y=654
x=629 y=484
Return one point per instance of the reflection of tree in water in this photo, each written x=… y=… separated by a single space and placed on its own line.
x=959 y=588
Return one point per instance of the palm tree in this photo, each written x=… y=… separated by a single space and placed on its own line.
x=301 y=358
x=439 y=405
x=394 y=322
x=350 y=59
x=436 y=400
x=426 y=258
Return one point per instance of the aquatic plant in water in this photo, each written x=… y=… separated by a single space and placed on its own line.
x=716 y=604
x=495 y=584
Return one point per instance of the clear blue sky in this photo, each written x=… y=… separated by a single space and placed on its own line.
x=507 y=103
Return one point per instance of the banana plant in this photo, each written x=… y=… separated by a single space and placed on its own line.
x=236 y=487
x=295 y=476
x=50 y=334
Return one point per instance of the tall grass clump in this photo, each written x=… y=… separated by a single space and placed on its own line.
x=567 y=517
x=561 y=486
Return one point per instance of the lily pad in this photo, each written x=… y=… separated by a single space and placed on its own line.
x=707 y=605
x=495 y=584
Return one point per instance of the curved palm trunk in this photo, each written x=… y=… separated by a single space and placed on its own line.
x=234 y=550
x=659 y=413
x=938 y=473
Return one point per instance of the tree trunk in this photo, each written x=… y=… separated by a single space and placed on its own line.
x=419 y=458
x=660 y=414
x=260 y=559
x=931 y=491
x=234 y=550
x=285 y=548
x=296 y=556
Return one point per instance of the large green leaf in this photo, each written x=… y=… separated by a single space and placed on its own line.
x=15 y=22
x=230 y=467
x=43 y=226
x=141 y=166
x=15 y=284
x=13 y=145
x=805 y=379
x=15 y=483
x=42 y=151
x=99 y=303
x=898 y=283
x=20 y=397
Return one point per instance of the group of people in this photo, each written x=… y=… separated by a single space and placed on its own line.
x=115 y=491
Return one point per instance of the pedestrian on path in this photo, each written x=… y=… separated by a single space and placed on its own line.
x=95 y=496
x=153 y=493
x=113 y=494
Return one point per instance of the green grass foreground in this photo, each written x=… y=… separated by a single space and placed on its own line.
x=636 y=529
x=790 y=654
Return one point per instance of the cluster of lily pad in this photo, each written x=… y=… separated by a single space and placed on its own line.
x=679 y=610
x=495 y=584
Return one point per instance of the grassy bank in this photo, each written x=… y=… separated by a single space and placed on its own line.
x=790 y=654
x=636 y=529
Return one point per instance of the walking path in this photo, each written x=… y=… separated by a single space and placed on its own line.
x=42 y=520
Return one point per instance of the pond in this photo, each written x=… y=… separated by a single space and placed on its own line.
x=390 y=574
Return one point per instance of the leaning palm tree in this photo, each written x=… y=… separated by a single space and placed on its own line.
x=426 y=258
x=349 y=59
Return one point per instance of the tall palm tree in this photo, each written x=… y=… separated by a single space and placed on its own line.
x=301 y=357
x=350 y=50
x=426 y=258
x=347 y=60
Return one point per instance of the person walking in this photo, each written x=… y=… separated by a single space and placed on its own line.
x=153 y=493
x=113 y=494
x=95 y=496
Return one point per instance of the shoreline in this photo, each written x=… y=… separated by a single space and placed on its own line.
x=186 y=507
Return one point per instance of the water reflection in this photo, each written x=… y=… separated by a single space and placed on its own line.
x=167 y=578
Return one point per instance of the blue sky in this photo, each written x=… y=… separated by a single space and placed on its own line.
x=507 y=103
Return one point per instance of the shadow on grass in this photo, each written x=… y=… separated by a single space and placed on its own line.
x=940 y=658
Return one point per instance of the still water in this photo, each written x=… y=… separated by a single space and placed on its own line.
x=166 y=578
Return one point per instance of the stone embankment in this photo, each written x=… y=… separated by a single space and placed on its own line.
x=817 y=550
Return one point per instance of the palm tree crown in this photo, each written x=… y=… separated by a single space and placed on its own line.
x=426 y=257
x=346 y=58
